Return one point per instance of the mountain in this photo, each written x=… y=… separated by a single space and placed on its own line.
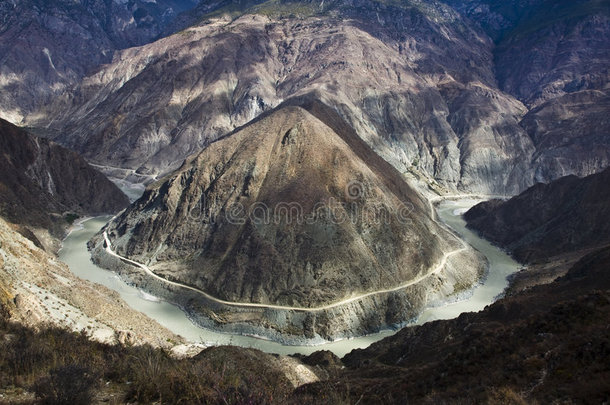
x=414 y=79
x=566 y=215
x=553 y=56
x=571 y=134
x=545 y=48
x=433 y=90
x=45 y=47
x=295 y=211
x=43 y=185
x=547 y=344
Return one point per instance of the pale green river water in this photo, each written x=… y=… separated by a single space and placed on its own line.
x=74 y=252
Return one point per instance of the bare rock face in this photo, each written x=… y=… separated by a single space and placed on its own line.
x=290 y=211
x=415 y=81
x=126 y=337
x=553 y=55
x=571 y=134
x=42 y=181
x=566 y=215
x=47 y=46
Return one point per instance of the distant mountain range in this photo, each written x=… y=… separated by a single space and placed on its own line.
x=456 y=93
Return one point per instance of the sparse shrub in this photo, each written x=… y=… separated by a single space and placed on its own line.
x=72 y=384
x=149 y=369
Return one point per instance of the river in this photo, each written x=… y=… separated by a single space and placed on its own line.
x=75 y=254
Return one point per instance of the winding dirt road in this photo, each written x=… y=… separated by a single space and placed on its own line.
x=345 y=301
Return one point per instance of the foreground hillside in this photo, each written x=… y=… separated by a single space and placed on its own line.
x=56 y=366
x=38 y=290
x=548 y=344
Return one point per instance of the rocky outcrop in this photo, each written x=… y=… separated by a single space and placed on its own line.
x=42 y=183
x=566 y=215
x=45 y=47
x=415 y=81
x=292 y=212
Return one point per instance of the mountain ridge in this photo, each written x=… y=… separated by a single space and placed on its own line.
x=563 y=216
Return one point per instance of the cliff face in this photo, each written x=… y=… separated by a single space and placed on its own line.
x=45 y=47
x=42 y=181
x=292 y=211
x=563 y=216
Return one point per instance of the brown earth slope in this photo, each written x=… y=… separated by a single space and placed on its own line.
x=286 y=211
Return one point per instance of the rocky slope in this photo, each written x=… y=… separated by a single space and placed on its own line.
x=571 y=134
x=47 y=46
x=298 y=212
x=38 y=290
x=564 y=216
x=548 y=344
x=553 y=56
x=414 y=80
x=43 y=185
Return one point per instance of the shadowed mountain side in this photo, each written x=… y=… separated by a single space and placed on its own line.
x=41 y=181
x=565 y=215
x=571 y=134
x=548 y=344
